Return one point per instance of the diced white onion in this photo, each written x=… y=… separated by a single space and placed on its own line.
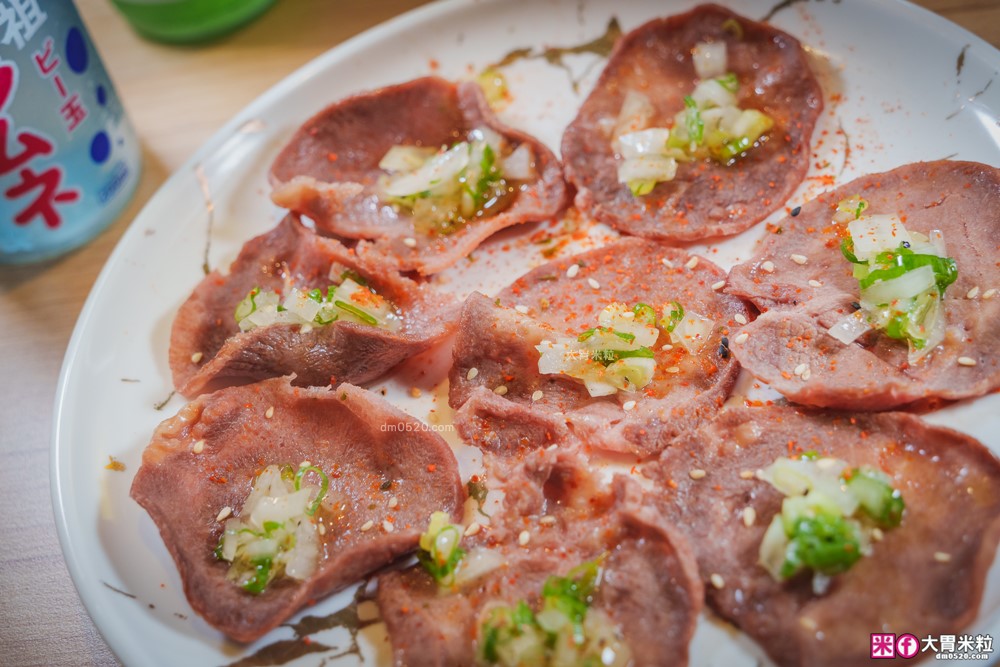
x=850 y=327
x=643 y=142
x=636 y=114
x=772 y=548
x=710 y=93
x=520 y=164
x=441 y=170
x=647 y=168
x=910 y=284
x=614 y=316
x=873 y=234
x=709 y=59
x=486 y=135
x=405 y=158
x=475 y=564
x=693 y=331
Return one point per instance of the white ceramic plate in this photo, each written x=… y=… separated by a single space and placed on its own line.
x=911 y=87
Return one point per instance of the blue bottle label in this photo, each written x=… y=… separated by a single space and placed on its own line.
x=69 y=159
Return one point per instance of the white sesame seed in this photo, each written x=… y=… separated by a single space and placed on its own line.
x=521 y=309
x=305 y=328
x=537 y=395
x=593 y=283
x=305 y=464
x=746 y=474
x=718 y=285
x=628 y=315
x=877 y=534
x=471 y=375
x=798 y=259
x=572 y=270
x=749 y=516
x=740 y=318
x=972 y=293
x=473 y=528
x=269 y=412
x=524 y=538
x=717 y=581
x=806 y=374
x=697 y=473
x=667 y=346
x=547 y=520
x=942 y=557
x=322 y=529
x=196 y=357
x=767 y=267
x=673 y=369
x=387 y=526
x=691 y=263
x=223 y=513
x=198 y=447
x=800 y=369
x=393 y=502
x=815 y=283
x=667 y=263
x=989 y=294
x=628 y=405
x=742 y=338
x=966 y=361
x=808 y=623
x=368 y=525
x=410 y=242
x=501 y=390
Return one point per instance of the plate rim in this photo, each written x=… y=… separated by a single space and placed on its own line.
x=126 y=649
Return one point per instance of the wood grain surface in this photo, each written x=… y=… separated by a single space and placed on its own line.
x=176 y=97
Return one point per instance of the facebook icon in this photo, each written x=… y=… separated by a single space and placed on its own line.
x=907 y=646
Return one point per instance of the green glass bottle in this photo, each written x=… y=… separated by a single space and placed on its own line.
x=185 y=21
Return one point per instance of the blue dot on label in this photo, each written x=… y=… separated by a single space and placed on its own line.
x=76 y=51
x=100 y=147
x=102 y=96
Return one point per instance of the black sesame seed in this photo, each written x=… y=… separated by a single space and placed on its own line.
x=906 y=244
x=725 y=341
x=855 y=305
x=723 y=351
x=796 y=211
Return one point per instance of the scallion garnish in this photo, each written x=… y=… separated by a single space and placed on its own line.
x=324 y=486
x=357 y=312
x=440 y=552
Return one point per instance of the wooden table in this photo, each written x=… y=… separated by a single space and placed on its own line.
x=176 y=97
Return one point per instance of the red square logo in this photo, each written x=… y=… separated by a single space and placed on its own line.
x=883 y=646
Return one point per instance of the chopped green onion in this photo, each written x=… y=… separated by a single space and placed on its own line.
x=847 y=250
x=674 y=317
x=729 y=82
x=439 y=551
x=248 y=305
x=882 y=503
x=323 y=487
x=826 y=543
x=693 y=122
x=357 y=312
x=261 y=576
x=645 y=314
x=353 y=275
x=641 y=188
x=316 y=295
